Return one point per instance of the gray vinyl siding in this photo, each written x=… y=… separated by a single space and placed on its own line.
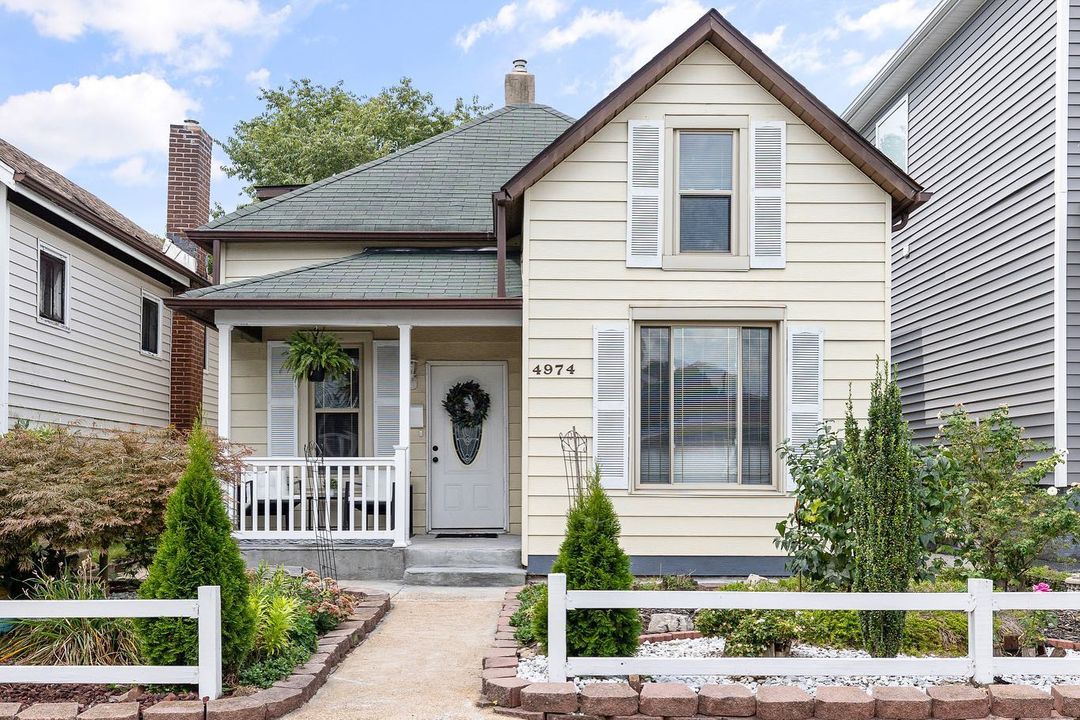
x=1073 y=244
x=972 y=304
x=92 y=373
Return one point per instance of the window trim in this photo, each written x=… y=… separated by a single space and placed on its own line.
x=57 y=254
x=143 y=296
x=903 y=101
x=777 y=404
x=360 y=410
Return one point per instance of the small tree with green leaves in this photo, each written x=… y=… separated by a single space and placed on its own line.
x=197 y=548
x=591 y=558
x=887 y=547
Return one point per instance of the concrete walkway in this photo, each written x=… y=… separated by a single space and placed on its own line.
x=421 y=663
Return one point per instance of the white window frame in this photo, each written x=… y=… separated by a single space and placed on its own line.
x=901 y=103
x=64 y=257
x=144 y=295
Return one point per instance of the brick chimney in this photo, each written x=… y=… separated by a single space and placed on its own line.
x=188 y=207
x=520 y=85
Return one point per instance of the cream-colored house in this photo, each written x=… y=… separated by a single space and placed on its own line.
x=690 y=274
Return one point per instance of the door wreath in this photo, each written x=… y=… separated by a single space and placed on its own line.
x=467 y=404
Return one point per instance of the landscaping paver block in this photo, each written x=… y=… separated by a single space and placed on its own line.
x=780 y=702
x=1066 y=699
x=280 y=700
x=636 y=717
x=518 y=713
x=505 y=692
x=175 y=710
x=608 y=699
x=306 y=684
x=1019 y=701
x=958 y=702
x=501 y=672
x=841 y=702
x=550 y=697
x=112 y=711
x=318 y=669
x=9 y=710
x=901 y=703
x=501 y=661
x=500 y=652
x=575 y=716
x=726 y=701
x=50 y=711
x=667 y=700
x=246 y=707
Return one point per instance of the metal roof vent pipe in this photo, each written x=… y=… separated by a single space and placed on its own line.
x=520 y=85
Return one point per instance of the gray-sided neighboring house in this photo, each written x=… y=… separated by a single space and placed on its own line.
x=982 y=104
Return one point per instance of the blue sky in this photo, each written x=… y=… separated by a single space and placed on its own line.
x=90 y=86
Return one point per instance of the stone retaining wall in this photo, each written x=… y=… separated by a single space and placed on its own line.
x=514 y=697
x=265 y=704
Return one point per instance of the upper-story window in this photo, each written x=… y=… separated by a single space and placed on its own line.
x=706 y=170
x=891 y=134
x=52 y=286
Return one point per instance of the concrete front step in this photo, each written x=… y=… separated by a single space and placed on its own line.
x=453 y=553
x=461 y=576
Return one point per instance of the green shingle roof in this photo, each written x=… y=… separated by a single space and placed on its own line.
x=442 y=184
x=380 y=274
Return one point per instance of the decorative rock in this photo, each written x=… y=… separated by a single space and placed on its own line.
x=505 y=692
x=9 y=710
x=550 y=697
x=236 y=708
x=112 y=711
x=608 y=699
x=726 y=701
x=1066 y=699
x=669 y=622
x=781 y=702
x=1019 y=701
x=667 y=700
x=958 y=702
x=50 y=711
x=280 y=700
x=841 y=702
x=306 y=684
x=175 y=710
x=901 y=703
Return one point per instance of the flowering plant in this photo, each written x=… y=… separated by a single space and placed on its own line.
x=326 y=601
x=1040 y=587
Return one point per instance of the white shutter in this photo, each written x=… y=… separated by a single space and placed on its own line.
x=281 y=423
x=805 y=386
x=768 y=156
x=611 y=359
x=644 y=204
x=387 y=399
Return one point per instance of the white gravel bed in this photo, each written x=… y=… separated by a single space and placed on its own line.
x=535 y=669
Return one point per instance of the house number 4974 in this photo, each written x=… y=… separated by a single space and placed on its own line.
x=552 y=369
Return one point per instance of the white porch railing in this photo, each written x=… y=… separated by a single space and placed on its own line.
x=353 y=498
x=979 y=602
x=207 y=674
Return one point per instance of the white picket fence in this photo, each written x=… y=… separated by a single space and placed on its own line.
x=206 y=609
x=979 y=602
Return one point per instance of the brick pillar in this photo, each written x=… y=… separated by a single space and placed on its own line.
x=188 y=207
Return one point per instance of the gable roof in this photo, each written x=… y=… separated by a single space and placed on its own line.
x=439 y=185
x=40 y=178
x=712 y=27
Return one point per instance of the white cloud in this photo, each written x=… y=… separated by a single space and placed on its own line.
x=769 y=42
x=98 y=120
x=851 y=57
x=191 y=35
x=132 y=172
x=259 y=78
x=637 y=40
x=890 y=16
x=507 y=18
x=864 y=72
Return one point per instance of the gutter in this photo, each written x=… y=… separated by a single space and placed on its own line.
x=196 y=303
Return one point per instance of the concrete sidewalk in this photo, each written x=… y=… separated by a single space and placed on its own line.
x=421 y=663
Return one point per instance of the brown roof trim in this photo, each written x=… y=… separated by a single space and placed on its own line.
x=205 y=237
x=195 y=304
x=907 y=194
x=31 y=183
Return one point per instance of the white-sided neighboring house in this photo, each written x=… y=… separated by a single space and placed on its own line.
x=86 y=340
x=690 y=274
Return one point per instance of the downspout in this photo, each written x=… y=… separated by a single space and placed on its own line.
x=501 y=199
x=1061 y=222
x=901 y=221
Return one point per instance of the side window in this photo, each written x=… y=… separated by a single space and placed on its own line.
x=52 y=286
x=891 y=134
x=151 y=325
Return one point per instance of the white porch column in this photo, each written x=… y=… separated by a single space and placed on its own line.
x=401 y=450
x=224 y=387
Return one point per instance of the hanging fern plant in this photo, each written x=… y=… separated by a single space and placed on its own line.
x=314 y=355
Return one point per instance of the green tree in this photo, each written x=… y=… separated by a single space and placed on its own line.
x=887 y=547
x=591 y=558
x=309 y=131
x=197 y=548
x=1004 y=517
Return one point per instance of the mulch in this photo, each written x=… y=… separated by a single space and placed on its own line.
x=1067 y=627
x=86 y=695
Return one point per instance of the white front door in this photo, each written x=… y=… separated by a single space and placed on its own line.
x=468 y=495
